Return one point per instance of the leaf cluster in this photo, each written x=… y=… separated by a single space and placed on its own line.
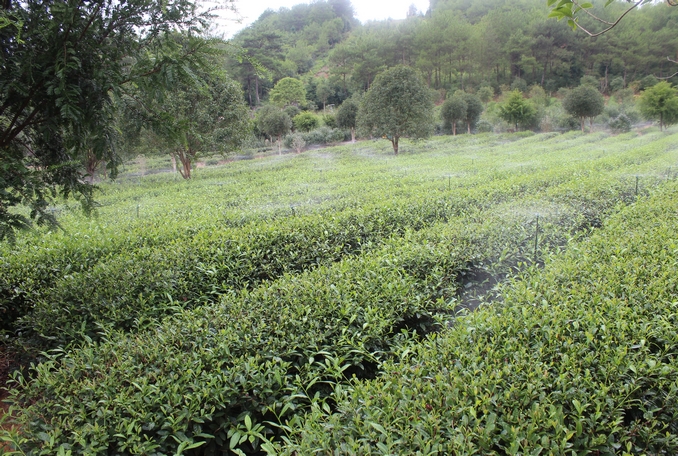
x=578 y=358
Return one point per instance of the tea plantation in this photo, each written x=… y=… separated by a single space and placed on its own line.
x=315 y=304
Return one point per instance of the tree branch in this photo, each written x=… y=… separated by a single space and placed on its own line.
x=674 y=74
x=612 y=24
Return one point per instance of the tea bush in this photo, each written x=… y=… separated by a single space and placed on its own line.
x=579 y=358
x=168 y=266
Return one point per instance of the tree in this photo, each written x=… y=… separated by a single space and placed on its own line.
x=347 y=115
x=453 y=111
x=582 y=102
x=397 y=105
x=194 y=119
x=517 y=111
x=660 y=101
x=288 y=91
x=63 y=65
x=274 y=123
x=324 y=90
x=485 y=94
x=474 y=108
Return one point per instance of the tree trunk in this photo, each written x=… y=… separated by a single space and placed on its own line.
x=256 y=88
x=174 y=163
x=469 y=127
x=352 y=134
x=661 y=121
x=249 y=89
x=582 y=124
x=454 y=128
x=91 y=165
x=185 y=159
x=279 y=145
x=394 y=141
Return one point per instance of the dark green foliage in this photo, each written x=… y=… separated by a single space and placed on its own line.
x=579 y=357
x=519 y=84
x=347 y=116
x=192 y=120
x=485 y=94
x=305 y=121
x=517 y=110
x=397 y=105
x=273 y=122
x=584 y=102
x=453 y=111
x=474 y=108
x=63 y=66
x=292 y=111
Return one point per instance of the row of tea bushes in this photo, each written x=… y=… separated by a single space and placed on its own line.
x=580 y=358
x=128 y=289
x=234 y=375
x=165 y=268
x=226 y=370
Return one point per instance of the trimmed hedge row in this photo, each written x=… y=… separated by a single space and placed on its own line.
x=70 y=290
x=221 y=371
x=135 y=288
x=580 y=358
x=236 y=375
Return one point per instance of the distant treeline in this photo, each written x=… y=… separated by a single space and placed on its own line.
x=456 y=44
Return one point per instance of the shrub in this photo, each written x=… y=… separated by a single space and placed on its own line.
x=579 y=358
x=620 y=124
x=330 y=120
x=305 y=121
x=484 y=126
x=292 y=111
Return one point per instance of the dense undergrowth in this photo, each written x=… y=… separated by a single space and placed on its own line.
x=202 y=335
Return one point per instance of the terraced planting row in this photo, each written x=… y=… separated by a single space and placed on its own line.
x=580 y=358
x=181 y=265
x=288 y=317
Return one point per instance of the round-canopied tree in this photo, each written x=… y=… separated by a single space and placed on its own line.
x=288 y=91
x=192 y=120
x=660 y=102
x=453 y=111
x=273 y=122
x=347 y=116
x=584 y=102
x=517 y=110
x=397 y=105
x=474 y=108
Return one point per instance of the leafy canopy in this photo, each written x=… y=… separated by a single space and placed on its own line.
x=288 y=91
x=582 y=102
x=63 y=65
x=453 y=111
x=660 y=102
x=397 y=105
x=517 y=110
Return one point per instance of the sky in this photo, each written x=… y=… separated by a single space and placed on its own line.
x=365 y=10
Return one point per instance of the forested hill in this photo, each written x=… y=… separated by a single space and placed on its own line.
x=456 y=44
